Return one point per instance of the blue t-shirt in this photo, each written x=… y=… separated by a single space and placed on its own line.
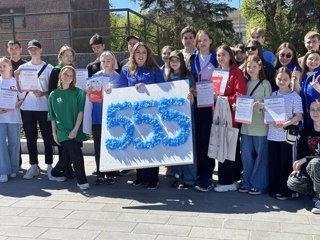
x=143 y=75
x=97 y=107
x=269 y=56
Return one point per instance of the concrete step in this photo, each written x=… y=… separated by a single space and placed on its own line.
x=87 y=148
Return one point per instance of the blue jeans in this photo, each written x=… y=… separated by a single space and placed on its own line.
x=254 y=153
x=9 y=150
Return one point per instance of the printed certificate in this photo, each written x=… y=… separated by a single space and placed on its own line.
x=244 y=109
x=205 y=97
x=29 y=80
x=220 y=78
x=275 y=110
x=81 y=76
x=8 y=99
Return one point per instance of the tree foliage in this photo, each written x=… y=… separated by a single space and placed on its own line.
x=284 y=20
x=201 y=14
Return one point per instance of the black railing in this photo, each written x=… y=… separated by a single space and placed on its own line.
x=76 y=27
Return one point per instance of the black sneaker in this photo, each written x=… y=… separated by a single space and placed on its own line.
x=186 y=186
x=137 y=182
x=152 y=186
x=175 y=184
x=100 y=181
x=110 y=180
x=127 y=172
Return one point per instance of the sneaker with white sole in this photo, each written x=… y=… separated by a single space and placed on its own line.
x=83 y=186
x=58 y=179
x=33 y=171
x=12 y=175
x=316 y=209
x=227 y=188
x=3 y=178
x=49 y=169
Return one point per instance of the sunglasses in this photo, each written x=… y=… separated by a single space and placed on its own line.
x=288 y=55
x=250 y=49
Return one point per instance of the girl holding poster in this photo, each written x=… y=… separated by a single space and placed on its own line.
x=10 y=123
x=109 y=79
x=281 y=152
x=202 y=65
x=140 y=70
x=185 y=175
x=229 y=171
x=254 y=144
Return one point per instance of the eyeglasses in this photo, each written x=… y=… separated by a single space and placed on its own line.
x=315 y=110
x=288 y=55
x=250 y=49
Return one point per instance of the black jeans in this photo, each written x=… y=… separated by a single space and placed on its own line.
x=71 y=150
x=148 y=175
x=30 y=120
x=203 y=121
x=96 y=133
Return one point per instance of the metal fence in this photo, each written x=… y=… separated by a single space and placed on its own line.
x=76 y=27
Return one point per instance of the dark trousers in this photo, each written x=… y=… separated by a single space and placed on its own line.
x=148 y=175
x=71 y=149
x=230 y=171
x=63 y=167
x=30 y=120
x=280 y=167
x=203 y=121
x=96 y=133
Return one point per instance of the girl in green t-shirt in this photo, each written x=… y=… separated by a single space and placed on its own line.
x=66 y=105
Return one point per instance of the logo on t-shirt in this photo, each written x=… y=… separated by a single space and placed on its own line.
x=59 y=100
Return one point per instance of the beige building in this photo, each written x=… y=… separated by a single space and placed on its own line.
x=239 y=24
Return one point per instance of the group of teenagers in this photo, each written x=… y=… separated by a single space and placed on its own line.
x=265 y=161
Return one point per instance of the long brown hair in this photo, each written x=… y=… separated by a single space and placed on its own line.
x=258 y=60
x=294 y=59
x=196 y=40
x=230 y=52
x=74 y=80
x=63 y=49
x=150 y=62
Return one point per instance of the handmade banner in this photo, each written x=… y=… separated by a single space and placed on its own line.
x=147 y=127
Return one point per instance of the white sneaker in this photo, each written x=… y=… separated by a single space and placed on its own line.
x=316 y=209
x=227 y=188
x=3 y=178
x=49 y=169
x=12 y=175
x=83 y=186
x=58 y=179
x=33 y=171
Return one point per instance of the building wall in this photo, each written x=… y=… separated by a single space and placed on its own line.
x=54 y=30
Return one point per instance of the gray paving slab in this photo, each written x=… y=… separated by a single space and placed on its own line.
x=124 y=236
x=59 y=233
x=42 y=209
x=278 y=236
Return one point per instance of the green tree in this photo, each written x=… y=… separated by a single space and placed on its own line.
x=204 y=14
x=284 y=20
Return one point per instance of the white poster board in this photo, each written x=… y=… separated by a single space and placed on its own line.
x=147 y=127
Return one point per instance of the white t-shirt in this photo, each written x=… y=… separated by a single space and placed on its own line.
x=31 y=102
x=293 y=104
x=10 y=116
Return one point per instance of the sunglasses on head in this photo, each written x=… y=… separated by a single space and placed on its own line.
x=250 y=49
x=288 y=55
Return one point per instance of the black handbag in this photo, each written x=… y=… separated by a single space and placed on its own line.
x=292 y=133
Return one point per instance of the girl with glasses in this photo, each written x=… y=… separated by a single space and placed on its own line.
x=254 y=48
x=287 y=57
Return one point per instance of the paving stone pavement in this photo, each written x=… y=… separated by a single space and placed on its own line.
x=42 y=209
